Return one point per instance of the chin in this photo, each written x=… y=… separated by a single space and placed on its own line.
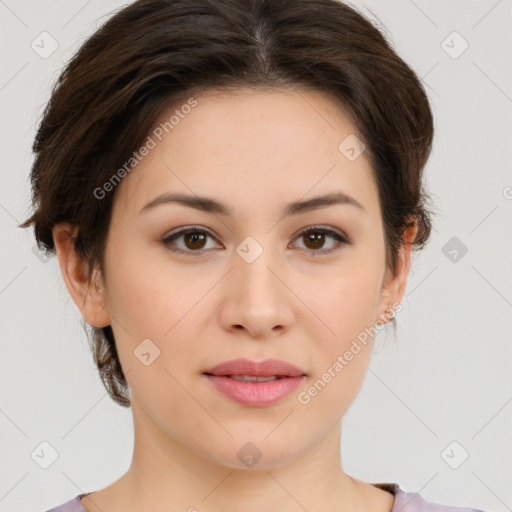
x=257 y=452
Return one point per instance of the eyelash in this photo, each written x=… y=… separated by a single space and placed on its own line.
x=341 y=240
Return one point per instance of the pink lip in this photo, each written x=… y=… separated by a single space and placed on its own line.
x=255 y=394
x=265 y=368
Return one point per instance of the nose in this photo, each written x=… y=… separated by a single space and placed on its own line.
x=257 y=299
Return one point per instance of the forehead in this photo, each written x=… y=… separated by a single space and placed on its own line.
x=250 y=146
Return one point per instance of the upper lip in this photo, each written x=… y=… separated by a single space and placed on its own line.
x=266 y=368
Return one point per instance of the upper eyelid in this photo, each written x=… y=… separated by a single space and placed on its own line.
x=184 y=230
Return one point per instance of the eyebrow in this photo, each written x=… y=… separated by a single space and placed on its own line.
x=208 y=205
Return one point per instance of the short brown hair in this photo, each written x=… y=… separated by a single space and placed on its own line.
x=153 y=52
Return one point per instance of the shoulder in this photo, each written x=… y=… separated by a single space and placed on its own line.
x=413 y=502
x=74 y=505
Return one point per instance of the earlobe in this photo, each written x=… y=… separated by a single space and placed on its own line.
x=88 y=295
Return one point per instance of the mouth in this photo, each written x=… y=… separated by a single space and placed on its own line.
x=255 y=384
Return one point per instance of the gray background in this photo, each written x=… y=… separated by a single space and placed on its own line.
x=445 y=378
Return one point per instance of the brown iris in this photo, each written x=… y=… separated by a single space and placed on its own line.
x=194 y=240
x=316 y=238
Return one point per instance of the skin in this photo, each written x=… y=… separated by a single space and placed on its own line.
x=255 y=151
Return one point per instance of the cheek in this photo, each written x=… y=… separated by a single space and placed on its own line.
x=341 y=359
x=148 y=295
x=346 y=298
x=154 y=322
x=348 y=305
x=151 y=299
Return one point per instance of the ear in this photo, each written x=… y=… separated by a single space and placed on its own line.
x=394 y=286
x=89 y=296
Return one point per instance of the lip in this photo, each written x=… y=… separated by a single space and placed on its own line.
x=255 y=394
x=265 y=368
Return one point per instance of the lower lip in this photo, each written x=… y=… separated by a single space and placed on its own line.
x=255 y=394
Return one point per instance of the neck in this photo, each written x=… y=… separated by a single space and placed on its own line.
x=165 y=474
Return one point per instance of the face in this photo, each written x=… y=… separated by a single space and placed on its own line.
x=188 y=288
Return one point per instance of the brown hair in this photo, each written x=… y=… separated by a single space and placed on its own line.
x=154 y=52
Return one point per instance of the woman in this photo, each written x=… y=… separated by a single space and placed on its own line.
x=234 y=190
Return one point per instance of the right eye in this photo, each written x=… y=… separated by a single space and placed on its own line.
x=193 y=240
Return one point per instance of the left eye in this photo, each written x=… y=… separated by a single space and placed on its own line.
x=195 y=239
x=316 y=237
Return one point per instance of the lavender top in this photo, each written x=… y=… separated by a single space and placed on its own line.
x=404 y=502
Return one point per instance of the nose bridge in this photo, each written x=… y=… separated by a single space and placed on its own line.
x=258 y=299
x=254 y=261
